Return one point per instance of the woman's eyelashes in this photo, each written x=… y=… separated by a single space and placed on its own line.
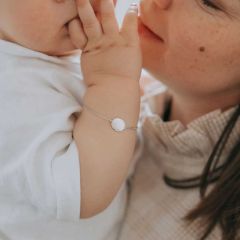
x=210 y=4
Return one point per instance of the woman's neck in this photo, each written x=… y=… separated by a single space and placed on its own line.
x=187 y=108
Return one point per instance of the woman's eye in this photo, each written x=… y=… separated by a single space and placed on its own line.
x=210 y=4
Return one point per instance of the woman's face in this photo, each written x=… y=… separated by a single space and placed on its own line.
x=195 y=48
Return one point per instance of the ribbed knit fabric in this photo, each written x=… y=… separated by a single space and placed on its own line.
x=155 y=210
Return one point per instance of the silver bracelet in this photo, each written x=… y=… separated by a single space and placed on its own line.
x=117 y=124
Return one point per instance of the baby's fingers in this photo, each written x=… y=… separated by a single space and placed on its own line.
x=77 y=35
x=108 y=18
x=130 y=25
x=91 y=25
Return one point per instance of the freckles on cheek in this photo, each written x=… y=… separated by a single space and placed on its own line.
x=202 y=49
x=199 y=60
x=191 y=49
x=188 y=54
x=204 y=63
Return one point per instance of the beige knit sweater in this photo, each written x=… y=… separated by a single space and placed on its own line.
x=155 y=210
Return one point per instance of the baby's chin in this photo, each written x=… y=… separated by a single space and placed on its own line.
x=69 y=53
x=65 y=48
x=60 y=48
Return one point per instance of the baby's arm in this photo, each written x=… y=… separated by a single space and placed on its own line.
x=111 y=65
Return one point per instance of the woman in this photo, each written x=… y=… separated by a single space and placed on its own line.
x=192 y=140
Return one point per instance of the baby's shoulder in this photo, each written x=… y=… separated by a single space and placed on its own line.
x=22 y=69
x=25 y=73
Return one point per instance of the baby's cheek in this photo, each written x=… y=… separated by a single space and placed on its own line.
x=43 y=29
x=34 y=34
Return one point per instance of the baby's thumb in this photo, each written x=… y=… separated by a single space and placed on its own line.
x=77 y=34
x=129 y=28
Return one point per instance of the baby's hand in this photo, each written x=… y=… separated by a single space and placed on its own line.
x=109 y=53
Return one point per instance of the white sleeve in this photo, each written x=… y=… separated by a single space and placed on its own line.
x=38 y=157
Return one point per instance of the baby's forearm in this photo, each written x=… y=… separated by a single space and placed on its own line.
x=104 y=154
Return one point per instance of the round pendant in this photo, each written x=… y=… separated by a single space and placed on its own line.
x=118 y=124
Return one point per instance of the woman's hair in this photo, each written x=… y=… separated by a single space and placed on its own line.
x=221 y=206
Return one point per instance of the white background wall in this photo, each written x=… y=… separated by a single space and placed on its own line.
x=122 y=6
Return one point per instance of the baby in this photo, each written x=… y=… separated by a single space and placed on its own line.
x=67 y=137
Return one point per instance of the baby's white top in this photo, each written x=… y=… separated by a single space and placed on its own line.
x=40 y=97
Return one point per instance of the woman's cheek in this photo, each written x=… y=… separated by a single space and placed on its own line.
x=185 y=60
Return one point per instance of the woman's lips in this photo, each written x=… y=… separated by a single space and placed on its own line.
x=145 y=31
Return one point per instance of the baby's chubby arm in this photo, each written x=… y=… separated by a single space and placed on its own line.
x=111 y=64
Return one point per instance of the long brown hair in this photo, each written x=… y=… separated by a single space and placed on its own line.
x=221 y=206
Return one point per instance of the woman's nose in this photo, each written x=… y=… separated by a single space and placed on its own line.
x=163 y=4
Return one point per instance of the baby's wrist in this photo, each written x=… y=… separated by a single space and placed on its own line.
x=111 y=89
x=112 y=81
x=113 y=100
